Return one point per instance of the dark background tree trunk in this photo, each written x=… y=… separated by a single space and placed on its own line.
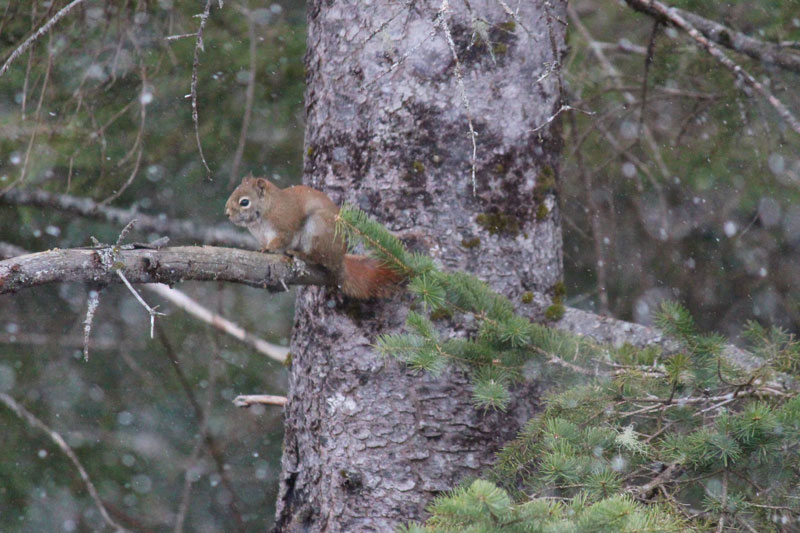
x=368 y=443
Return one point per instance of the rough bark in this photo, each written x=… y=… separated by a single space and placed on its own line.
x=166 y=265
x=368 y=443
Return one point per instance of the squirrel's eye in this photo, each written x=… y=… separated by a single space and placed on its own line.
x=244 y=202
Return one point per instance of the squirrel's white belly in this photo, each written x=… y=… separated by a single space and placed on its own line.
x=265 y=233
x=304 y=240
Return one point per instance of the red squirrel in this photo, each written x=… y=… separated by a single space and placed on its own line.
x=301 y=221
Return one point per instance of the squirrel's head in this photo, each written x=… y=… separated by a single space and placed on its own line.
x=251 y=199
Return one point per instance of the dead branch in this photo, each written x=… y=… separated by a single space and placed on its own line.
x=150 y=310
x=197 y=310
x=86 y=207
x=91 y=308
x=176 y=297
x=646 y=491
x=462 y=88
x=46 y=27
x=199 y=47
x=188 y=481
x=248 y=400
x=675 y=17
x=772 y=53
x=167 y=265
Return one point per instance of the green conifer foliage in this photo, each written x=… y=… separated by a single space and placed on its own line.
x=629 y=439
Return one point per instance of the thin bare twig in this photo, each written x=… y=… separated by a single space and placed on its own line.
x=59 y=441
x=616 y=76
x=46 y=27
x=199 y=47
x=514 y=15
x=144 y=100
x=555 y=64
x=181 y=36
x=462 y=88
x=150 y=310
x=247 y=400
x=128 y=182
x=648 y=61
x=384 y=24
x=183 y=509
x=114 y=252
x=93 y=302
x=564 y=107
x=194 y=308
x=124 y=233
x=4 y=17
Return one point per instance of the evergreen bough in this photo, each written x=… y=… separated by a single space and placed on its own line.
x=629 y=439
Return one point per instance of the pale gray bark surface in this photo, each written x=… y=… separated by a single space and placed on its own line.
x=368 y=444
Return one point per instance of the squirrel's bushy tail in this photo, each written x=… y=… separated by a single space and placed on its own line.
x=365 y=277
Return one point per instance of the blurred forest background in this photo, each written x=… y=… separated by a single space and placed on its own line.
x=681 y=185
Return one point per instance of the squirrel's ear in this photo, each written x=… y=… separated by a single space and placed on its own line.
x=262 y=186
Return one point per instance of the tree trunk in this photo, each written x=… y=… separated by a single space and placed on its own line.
x=368 y=443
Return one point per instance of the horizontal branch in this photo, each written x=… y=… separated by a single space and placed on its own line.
x=759 y=50
x=86 y=207
x=166 y=265
x=616 y=332
x=248 y=400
